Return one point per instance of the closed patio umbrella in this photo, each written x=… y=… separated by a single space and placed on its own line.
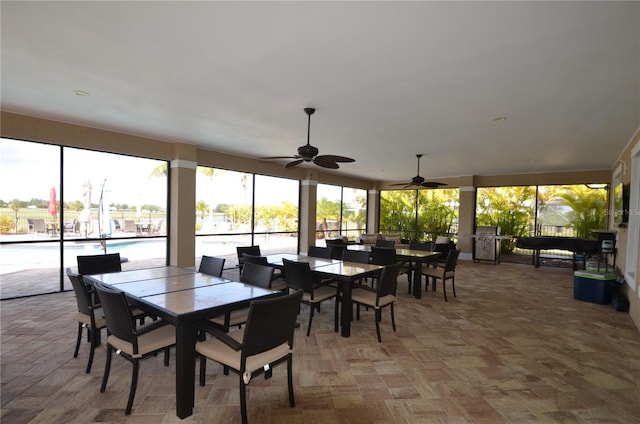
x=53 y=202
x=104 y=215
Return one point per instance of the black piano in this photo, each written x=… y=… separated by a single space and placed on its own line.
x=578 y=246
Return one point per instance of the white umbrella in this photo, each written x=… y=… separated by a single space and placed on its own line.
x=104 y=215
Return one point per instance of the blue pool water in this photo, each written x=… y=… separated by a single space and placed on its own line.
x=19 y=257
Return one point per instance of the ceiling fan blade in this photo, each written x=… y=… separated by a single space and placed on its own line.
x=335 y=158
x=294 y=163
x=279 y=157
x=406 y=185
x=326 y=161
x=432 y=184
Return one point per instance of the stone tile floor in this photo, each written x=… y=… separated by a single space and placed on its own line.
x=513 y=347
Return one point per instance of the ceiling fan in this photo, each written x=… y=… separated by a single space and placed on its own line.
x=419 y=181
x=309 y=153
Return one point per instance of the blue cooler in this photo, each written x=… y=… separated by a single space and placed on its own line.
x=594 y=287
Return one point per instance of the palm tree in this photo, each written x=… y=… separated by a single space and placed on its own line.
x=202 y=207
x=159 y=171
x=588 y=209
x=211 y=173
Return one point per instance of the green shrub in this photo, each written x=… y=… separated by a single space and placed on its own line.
x=6 y=224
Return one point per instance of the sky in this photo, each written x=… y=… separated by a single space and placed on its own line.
x=29 y=170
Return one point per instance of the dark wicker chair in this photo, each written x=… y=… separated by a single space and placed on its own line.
x=131 y=342
x=390 y=244
x=250 y=250
x=256 y=275
x=300 y=277
x=89 y=315
x=384 y=295
x=319 y=252
x=417 y=245
x=277 y=281
x=359 y=256
x=444 y=273
x=99 y=264
x=267 y=340
x=211 y=265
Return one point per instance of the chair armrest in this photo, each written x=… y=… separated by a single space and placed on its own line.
x=366 y=288
x=209 y=327
x=151 y=326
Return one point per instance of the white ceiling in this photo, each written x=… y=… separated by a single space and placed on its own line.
x=388 y=79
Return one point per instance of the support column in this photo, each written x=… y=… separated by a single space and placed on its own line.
x=308 y=199
x=373 y=211
x=182 y=209
x=466 y=219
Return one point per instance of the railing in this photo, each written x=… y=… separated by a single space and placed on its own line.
x=554 y=231
x=19 y=226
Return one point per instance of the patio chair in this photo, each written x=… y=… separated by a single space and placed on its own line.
x=319 y=252
x=130 y=226
x=390 y=244
x=267 y=340
x=129 y=341
x=359 y=256
x=277 y=280
x=89 y=316
x=300 y=277
x=255 y=275
x=211 y=265
x=71 y=226
x=444 y=273
x=250 y=250
x=99 y=264
x=383 y=296
x=37 y=226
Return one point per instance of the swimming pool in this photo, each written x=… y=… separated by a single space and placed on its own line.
x=19 y=257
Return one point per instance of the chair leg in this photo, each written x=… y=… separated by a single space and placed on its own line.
x=378 y=319
x=80 y=327
x=453 y=286
x=166 y=357
x=107 y=368
x=292 y=401
x=444 y=290
x=95 y=342
x=336 y=315
x=203 y=369
x=311 y=311
x=134 y=385
x=393 y=318
x=243 y=400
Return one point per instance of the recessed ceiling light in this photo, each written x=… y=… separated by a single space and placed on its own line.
x=500 y=119
x=80 y=93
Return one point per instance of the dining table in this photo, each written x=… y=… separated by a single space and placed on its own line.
x=182 y=297
x=343 y=272
x=416 y=259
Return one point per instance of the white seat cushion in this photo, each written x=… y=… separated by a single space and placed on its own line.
x=320 y=294
x=221 y=352
x=236 y=317
x=86 y=319
x=148 y=342
x=368 y=297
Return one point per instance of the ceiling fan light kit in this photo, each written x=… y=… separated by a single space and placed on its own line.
x=419 y=181
x=309 y=153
